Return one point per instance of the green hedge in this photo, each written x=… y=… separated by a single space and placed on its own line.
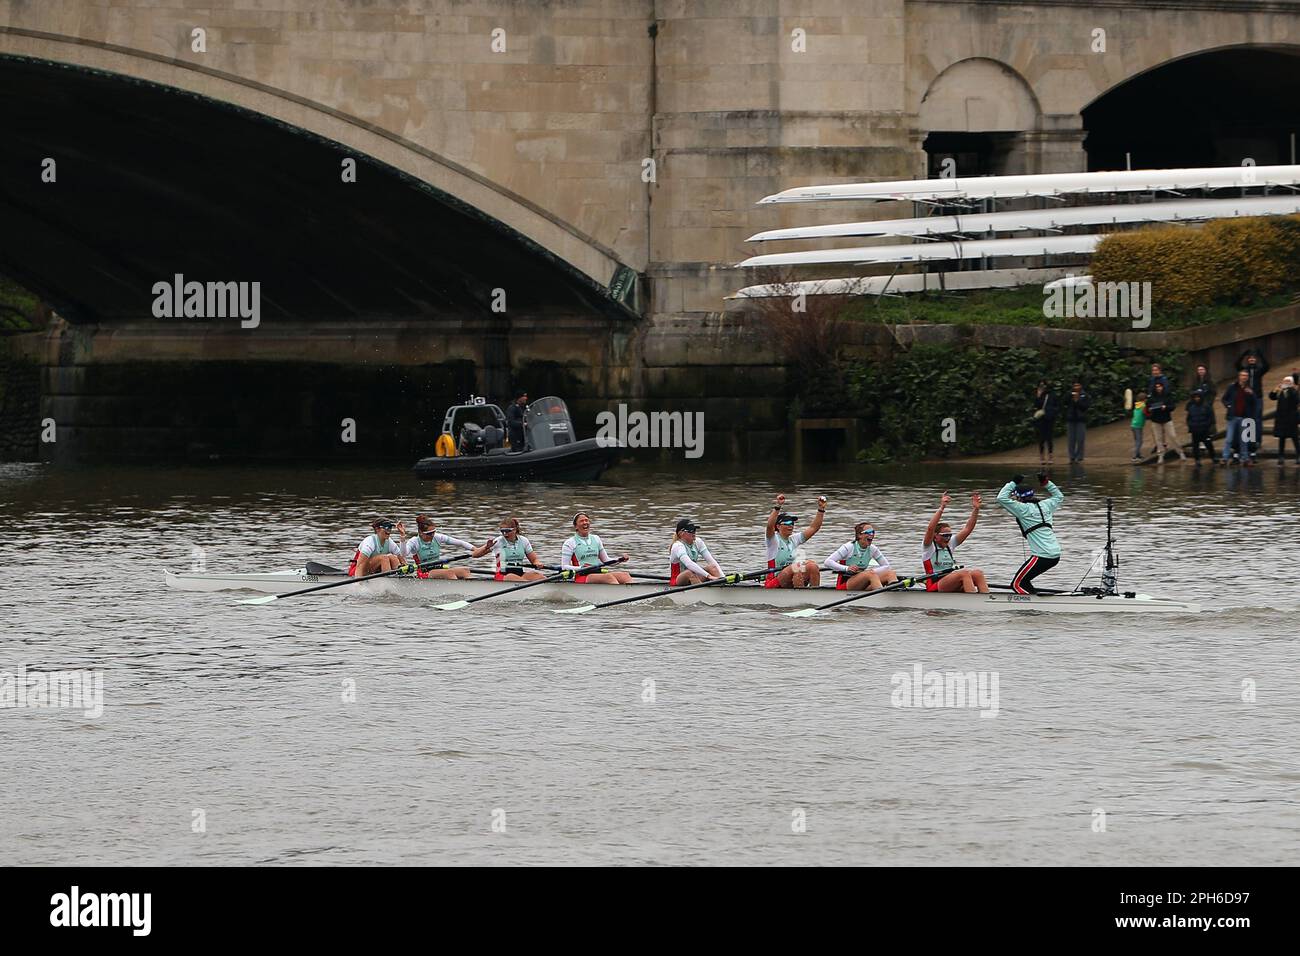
x=1224 y=262
x=989 y=393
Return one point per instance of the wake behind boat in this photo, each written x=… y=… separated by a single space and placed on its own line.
x=732 y=595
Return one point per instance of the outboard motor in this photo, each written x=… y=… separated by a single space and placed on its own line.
x=493 y=437
x=471 y=440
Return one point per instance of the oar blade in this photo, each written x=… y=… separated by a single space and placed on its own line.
x=260 y=600
x=580 y=609
x=802 y=612
x=453 y=606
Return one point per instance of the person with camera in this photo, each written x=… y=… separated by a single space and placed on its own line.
x=1286 y=422
x=1076 y=421
x=1034 y=517
x=1045 y=408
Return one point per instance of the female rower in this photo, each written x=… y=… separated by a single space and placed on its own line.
x=936 y=551
x=584 y=550
x=1035 y=519
x=860 y=565
x=378 y=551
x=689 y=559
x=782 y=542
x=425 y=550
x=514 y=554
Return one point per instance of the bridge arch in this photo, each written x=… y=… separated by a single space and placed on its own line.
x=547 y=248
x=977 y=113
x=1213 y=107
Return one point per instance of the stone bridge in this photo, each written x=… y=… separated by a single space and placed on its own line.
x=550 y=190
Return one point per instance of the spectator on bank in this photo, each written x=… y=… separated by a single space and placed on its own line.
x=1239 y=399
x=1205 y=385
x=1253 y=363
x=1157 y=377
x=1076 y=421
x=1045 y=409
x=1160 y=409
x=1286 y=423
x=515 y=421
x=1201 y=424
x=1138 y=424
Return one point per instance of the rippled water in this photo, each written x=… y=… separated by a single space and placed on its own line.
x=539 y=718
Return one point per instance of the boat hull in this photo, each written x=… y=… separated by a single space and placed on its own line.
x=577 y=461
x=748 y=594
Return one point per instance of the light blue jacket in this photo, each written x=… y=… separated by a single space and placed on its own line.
x=1042 y=541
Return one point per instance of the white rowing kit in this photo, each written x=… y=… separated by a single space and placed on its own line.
x=749 y=594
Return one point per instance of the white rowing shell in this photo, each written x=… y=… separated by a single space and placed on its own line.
x=749 y=594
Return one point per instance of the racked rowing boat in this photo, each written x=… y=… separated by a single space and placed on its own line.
x=742 y=595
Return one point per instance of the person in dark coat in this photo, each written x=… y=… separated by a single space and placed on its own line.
x=1076 y=421
x=1201 y=423
x=1253 y=363
x=1205 y=385
x=1045 y=408
x=1157 y=376
x=1286 y=424
x=1239 y=400
x=1160 y=411
x=515 y=421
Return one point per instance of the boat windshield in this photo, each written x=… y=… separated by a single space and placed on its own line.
x=548 y=424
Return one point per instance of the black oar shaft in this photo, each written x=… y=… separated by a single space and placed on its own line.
x=574 y=572
x=725 y=579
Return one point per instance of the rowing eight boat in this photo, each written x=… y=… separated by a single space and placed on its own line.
x=743 y=595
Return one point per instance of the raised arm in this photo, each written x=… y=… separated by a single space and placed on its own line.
x=817 y=518
x=976 y=502
x=934 y=521
x=771 y=517
x=483 y=549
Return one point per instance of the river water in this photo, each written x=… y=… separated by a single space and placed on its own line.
x=508 y=734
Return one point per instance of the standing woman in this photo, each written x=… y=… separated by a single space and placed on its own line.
x=1034 y=516
x=860 y=565
x=782 y=542
x=425 y=550
x=585 y=550
x=514 y=554
x=936 y=551
x=1044 y=420
x=689 y=559
x=1160 y=409
x=1287 y=419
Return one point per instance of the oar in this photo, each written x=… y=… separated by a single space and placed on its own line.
x=725 y=579
x=635 y=574
x=566 y=573
x=404 y=569
x=904 y=583
x=408 y=568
